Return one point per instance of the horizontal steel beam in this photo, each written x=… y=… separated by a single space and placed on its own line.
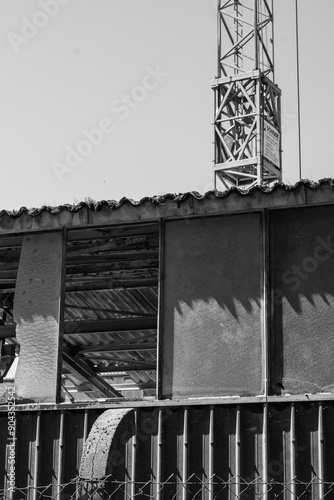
x=120 y=387
x=7 y=331
x=113 y=256
x=113 y=232
x=109 y=359
x=126 y=244
x=108 y=266
x=116 y=276
x=107 y=310
x=123 y=347
x=108 y=284
x=219 y=167
x=110 y=325
x=126 y=368
x=233 y=78
x=135 y=387
x=8 y=275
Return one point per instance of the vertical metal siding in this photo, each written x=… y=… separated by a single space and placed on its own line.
x=221 y=451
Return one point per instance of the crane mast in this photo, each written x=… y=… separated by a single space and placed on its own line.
x=247 y=102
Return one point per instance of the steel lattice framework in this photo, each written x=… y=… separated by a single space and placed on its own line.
x=247 y=103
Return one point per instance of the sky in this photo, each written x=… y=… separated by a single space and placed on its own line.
x=132 y=79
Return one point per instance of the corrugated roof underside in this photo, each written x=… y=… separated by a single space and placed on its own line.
x=111 y=301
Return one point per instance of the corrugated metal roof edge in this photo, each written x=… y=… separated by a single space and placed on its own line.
x=161 y=199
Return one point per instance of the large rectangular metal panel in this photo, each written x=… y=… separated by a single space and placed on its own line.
x=302 y=271
x=37 y=315
x=212 y=335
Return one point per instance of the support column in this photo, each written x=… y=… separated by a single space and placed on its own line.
x=37 y=317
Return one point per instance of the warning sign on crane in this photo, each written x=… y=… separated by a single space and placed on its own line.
x=271 y=144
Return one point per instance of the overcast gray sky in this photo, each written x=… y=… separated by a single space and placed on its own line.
x=140 y=72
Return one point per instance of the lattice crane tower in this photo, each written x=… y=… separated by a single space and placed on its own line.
x=247 y=103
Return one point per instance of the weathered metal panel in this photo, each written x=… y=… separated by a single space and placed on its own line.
x=251 y=452
x=328 y=443
x=225 y=444
x=25 y=451
x=37 y=314
x=212 y=332
x=3 y=450
x=196 y=457
x=146 y=452
x=302 y=270
x=175 y=456
x=74 y=439
x=307 y=448
x=50 y=429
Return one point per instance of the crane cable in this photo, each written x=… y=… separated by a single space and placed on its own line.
x=298 y=94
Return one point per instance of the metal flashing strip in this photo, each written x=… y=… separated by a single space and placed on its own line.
x=150 y=402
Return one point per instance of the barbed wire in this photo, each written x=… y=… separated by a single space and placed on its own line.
x=173 y=488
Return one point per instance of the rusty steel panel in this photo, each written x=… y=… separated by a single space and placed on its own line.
x=212 y=333
x=302 y=270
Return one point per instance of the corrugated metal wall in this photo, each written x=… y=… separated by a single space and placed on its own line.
x=48 y=447
x=221 y=448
